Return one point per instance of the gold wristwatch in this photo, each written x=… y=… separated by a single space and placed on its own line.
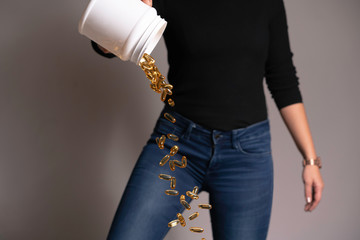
x=316 y=161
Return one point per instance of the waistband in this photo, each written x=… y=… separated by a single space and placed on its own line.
x=188 y=127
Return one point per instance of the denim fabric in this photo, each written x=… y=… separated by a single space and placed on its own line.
x=235 y=167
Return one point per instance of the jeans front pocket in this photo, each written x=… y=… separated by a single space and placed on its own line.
x=255 y=145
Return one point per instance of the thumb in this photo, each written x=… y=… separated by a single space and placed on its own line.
x=147 y=2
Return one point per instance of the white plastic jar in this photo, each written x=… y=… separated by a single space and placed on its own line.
x=127 y=28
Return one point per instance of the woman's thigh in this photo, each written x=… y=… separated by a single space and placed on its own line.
x=241 y=192
x=145 y=210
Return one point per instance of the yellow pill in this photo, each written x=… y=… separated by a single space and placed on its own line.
x=172 y=165
x=160 y=145
x=172 y=137
x=149 y=59
x=162 y=139
x=192 y=195
x=163 y=95
x=165 y=176
x=178 y=163
x=169 y=117
x=181 y=219
x=203 y=239
x=193 y=216
x=173 y=223
x=196 y=229
x=186 y=204
x=173 y=183
x=168 y=91
x=195 y=190
x=174 y=150
x=184 y=161
x=172 y=192
x=169 y=86
x=164 y=160
x=205 y=206
x=171 y=102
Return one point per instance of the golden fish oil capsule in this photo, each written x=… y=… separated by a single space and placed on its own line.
x=163 y=95
x=185 y=204
x=192 y=195
x=161 y=146
x=149 y=59
x=171 y=102
x=169 y=117
x=165 y=176
x=203 y=239
x=195 y=190
x=172 y=192
x=205 y=206
x=184 y=161
x=168 y=91
x=173 y=223
x=173 y=183
x=178 y=163
x=169 y=86
x=164 y=160
x=162 y=139
x=181 y=219
x=193 y=216
x=174 y=150
x=196 y=229
x=172 y=137
x=172 y=165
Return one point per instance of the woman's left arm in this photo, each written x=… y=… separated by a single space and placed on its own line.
x=296 y=121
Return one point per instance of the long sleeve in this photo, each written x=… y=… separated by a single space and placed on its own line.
x=280 y=73
x=98 y=50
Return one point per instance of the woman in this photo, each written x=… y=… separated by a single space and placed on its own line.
x=219 y=54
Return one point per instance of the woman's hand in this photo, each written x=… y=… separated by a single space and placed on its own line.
x=314 y=186
x=147 y=2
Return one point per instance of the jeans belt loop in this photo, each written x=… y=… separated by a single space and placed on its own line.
x=234 y=139
x=188 y=130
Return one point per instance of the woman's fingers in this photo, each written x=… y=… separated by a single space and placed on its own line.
x=147 y=2
x=313 y=187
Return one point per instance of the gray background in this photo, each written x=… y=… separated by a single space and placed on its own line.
x=72 y=125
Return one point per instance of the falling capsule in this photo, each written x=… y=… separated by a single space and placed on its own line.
x=196 y=229
x=172 y=137
x=193 y=216
x=181 y=219
x=160 y=145
x=168 y=86
x=169 y=117
x=205 y=206
x=164 y=160
x=185 y=204
x=173 y=183
x=162 y=139
x=174 y=150
x=184 y=161
x=178 y=163
x=168 y=91
x=163 y=95
x=172 y=165
x=149 y=59
x=195 y=190
x=172 y=192
x=171 y=102
x=173 y=223
x=192 y=195
x=165 y=176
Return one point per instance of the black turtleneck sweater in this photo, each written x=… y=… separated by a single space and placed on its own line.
x=219 y=54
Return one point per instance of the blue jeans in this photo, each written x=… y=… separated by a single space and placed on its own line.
x=235 y=167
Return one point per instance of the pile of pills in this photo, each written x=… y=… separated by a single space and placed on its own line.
x=158 y=84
